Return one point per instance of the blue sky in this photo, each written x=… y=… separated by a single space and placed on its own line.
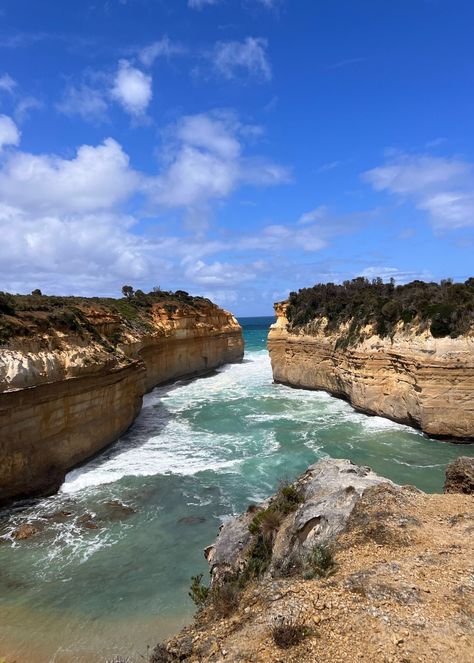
x=238 y=149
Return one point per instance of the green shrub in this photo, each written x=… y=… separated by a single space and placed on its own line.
x=198 y=592
x=7 y=303
x=319 y=562
x=447 y=308
x=258 y=559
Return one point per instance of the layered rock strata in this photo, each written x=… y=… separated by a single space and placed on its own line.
x=378 y=572
x=409 y=377
x=66 y=394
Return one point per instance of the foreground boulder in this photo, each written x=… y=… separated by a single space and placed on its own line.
x=460 y=476
x=341 y=566
x=325 y=497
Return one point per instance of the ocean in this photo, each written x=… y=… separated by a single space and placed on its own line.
x=108 y=573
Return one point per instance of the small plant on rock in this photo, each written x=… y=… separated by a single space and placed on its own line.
x=198 y=592
x=320 y=562
x=287 y=498
x=289 y=633
x=225 y=599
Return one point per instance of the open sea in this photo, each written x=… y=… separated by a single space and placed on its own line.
x=109 y=571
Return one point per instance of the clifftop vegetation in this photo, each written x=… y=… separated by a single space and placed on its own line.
x=36 y=314
x=446 y=308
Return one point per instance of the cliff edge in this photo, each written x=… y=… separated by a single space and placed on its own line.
x=73 y=372
x=386 y=352
x=343 y=565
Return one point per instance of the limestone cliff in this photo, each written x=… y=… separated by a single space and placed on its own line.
x=342 y=565
x=410 y=376
x=73 y=373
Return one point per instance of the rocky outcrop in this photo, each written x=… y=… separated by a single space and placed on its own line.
x=386 y=575
x=412 y=378
x=460 y=476
x=67 y=392
x=328 y=492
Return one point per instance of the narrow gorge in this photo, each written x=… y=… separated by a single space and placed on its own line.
x=73 y=373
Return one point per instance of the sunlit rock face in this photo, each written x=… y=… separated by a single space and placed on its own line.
x=410 y=377
x=65 y=395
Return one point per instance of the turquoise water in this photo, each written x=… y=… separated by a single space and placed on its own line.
x=200 y=450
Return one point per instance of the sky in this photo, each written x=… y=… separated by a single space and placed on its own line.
x=236 y=149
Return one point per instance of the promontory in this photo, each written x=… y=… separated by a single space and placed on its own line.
x=73 y=372
x=404 y=352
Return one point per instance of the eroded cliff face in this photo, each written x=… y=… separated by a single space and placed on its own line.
x=411 y=377
x=67 y=393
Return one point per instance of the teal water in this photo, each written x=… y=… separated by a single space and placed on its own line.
x=199 y=451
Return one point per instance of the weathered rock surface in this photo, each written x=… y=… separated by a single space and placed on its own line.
x=330 y=489
x=411 y=378
x=65 y=396
x=401 y=590
x=460 y=476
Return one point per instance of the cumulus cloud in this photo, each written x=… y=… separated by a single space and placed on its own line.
x=206 y=163
x=9 y=134
x=68 y=225
x=97 y=178
x=248 y=57
x=441 y=187
x=132 y=88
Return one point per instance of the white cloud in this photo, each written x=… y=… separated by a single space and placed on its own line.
x=64 y=227
x=97 y=178
x=9 y=134
x=442 y=187
x=313 y=215
x=88 y=102
x=233 y=58
x=199 y=4
x=132 y=89
x=7 y=84
x=220 y=273
x=205 y=163
x=287 y=237
x=164 y=47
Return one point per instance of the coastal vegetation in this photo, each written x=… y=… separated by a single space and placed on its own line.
x=30 y=315
x=445 y=308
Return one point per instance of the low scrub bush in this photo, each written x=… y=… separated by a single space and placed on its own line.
x=289 y=633
x=319 y=562
x=225 y=599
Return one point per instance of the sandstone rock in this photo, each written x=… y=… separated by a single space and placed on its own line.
x=460 y=476
x=25 y=531
x=411 y=378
